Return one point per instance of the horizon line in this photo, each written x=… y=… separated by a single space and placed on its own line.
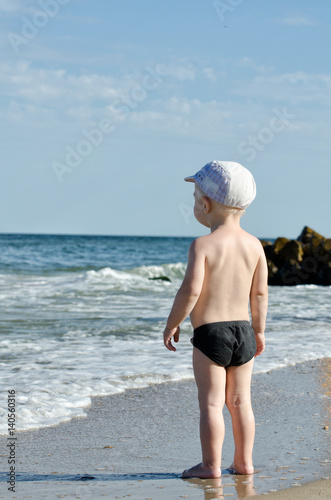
x=108 y=235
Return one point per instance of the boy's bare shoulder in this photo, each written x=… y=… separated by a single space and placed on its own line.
x=203 y=243
x=252 y=238
x=254 y=241
x=251 y=244
x=199 y=247
x=200 y=243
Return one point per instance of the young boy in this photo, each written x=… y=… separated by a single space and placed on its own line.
x=226 y=271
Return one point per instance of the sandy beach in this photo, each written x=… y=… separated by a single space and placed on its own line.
x=136 y=444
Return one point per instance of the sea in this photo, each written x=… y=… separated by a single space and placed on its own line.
x=83 y=316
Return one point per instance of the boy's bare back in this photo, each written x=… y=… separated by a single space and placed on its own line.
x=230 y=262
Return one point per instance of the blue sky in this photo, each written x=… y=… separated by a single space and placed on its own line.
x=107 y=105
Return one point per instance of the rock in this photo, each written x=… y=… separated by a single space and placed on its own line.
x=275 y=253
x=327 y=245
x=290 y=274
x=272 y=269
x=265 y=243
x=279 y=244
x=292 y=250
x=308 y=235
x=311 y=241
x=162 y=278
x=270 y=252
x=324 y=274
x=306 y=260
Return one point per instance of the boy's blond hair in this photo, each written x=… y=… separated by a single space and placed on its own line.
x=218 y=207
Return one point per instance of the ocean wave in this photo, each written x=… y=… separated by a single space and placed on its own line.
x=54 y=385
x=142 y=275
x=172 y=271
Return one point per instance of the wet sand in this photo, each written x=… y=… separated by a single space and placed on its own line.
x=137 y=444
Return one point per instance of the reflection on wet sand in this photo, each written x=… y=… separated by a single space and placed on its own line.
x=325 y=381
x=229 y=485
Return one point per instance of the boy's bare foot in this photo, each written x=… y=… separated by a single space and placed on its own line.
x=245 y=470
x=202 y=472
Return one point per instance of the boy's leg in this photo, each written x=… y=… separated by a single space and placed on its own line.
x=210 y=379
x=238 y=401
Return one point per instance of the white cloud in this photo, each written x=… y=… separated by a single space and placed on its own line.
x=193 y=119
x=298 y=87
x=180 y=71
x=56 y=98
x=210 y=74
x=78 y=95
x=24 y=82
x=10 y=6
x=298 y=21
x=247 y=62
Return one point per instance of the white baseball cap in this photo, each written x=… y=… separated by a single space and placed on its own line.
x=226 y=182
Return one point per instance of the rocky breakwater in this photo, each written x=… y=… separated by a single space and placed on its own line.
x=304 y=261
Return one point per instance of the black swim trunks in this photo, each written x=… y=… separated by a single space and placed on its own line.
x=227 y=343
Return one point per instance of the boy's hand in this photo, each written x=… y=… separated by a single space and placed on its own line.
x=167 y=336
x=260 y=343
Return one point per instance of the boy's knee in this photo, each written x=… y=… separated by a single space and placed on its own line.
x=208 y=403
x=236 y=401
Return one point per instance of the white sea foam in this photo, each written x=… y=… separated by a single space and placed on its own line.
x=68 y=336
x=143 y=276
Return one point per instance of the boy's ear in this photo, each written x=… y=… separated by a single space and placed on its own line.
x=206 y=204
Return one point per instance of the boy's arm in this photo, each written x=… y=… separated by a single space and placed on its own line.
x=188 y=294
x=259 y=301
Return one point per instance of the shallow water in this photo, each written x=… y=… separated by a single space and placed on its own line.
x=81 y=317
